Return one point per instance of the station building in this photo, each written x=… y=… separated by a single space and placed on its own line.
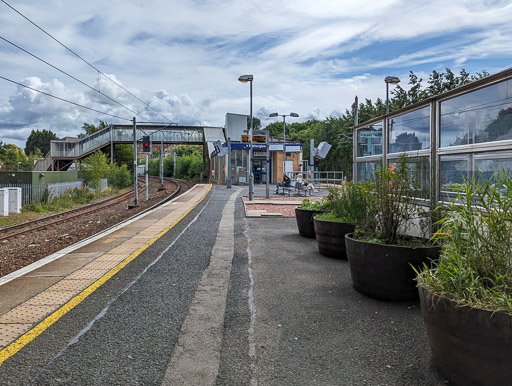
x=446 y=138
x=236 y=130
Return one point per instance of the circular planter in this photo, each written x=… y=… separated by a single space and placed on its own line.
x=330 y=237
x=470 y=346
x=384 y=271
x=304 y=219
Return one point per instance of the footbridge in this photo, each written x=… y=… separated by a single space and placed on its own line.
x=63 y=153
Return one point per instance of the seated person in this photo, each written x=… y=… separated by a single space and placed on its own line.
x=303 y=185
x=286 y=182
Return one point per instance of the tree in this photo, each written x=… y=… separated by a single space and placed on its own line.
x=39 y=140
x=90 y=129
x=94 y=168
x=256 y=123
x=123 y=155
x=14 y=158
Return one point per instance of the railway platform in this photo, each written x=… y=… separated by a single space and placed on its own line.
x=199 y=293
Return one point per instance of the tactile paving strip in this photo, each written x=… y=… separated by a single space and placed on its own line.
x=70 y=285
x=86 y=274
x=101 y=265
x=110 y=257
x=26 y=314
x=50 y=298
x=10 y=332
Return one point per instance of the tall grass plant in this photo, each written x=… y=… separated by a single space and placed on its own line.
x=476 y=264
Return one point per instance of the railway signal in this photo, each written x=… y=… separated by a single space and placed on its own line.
x=146 y=144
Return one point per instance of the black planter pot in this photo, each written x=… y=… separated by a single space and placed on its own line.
x=304 y=219
x=470 y=346
x=384 y=271
x=330 y=237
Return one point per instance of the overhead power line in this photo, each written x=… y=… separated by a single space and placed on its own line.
x=64 y=100
x=82 y=59
x=72 y=77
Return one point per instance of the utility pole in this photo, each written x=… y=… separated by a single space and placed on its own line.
x=136 y=200
x=161 y=161
x=146 y=172
x=228 y=181
x=312 y=158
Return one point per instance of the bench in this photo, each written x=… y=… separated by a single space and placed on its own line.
x=286 y=190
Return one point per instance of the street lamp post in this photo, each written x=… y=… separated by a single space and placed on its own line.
x=295 y=115
x=388 y=80
x=245 y=79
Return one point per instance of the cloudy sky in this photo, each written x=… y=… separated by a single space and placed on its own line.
x=183 y=58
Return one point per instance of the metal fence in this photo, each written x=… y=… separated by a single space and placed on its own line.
x=35 y=193
x=321 y=179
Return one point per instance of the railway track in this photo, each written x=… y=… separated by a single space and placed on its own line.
x=49 y=221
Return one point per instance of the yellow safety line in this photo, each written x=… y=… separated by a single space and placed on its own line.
x=35 y=331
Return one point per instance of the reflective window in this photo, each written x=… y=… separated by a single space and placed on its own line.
x=489 y=163
x=454 y=168
x=410 y=131
x=420 y=172
x=483 y=115
x=366 y=170
x=369 y=140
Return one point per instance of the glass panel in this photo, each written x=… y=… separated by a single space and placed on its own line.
x=365 y=170
x=489 y=163
x=420 y=170
x=483 y=115
x=455 y=168
x=410 y=131
x=452 y=169
x=369 y=140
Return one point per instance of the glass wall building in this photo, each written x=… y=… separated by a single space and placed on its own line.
x=454 y=135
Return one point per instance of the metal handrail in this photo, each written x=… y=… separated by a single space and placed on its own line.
x=321 y=178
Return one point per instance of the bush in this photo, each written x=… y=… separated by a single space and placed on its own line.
x=476 y=264
x=389 y=196
x=94 y=168
x=119 y=177
x=307 y=204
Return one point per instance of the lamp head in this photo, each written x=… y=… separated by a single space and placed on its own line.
x=245 y=78
x=295 y=115
x=392 y=79
x=273 y=115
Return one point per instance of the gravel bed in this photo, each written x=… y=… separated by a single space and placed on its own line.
x=23 y=250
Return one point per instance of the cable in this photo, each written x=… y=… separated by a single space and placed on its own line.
x=65 y=100
x=85 y=61
x=71 y=76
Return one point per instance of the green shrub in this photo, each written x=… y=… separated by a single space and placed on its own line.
x=307 y=204
x=94 y=168
x=119 y=177
x=391 y=206
x=476 y=264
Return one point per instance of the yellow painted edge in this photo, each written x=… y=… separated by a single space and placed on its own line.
x=35 y=331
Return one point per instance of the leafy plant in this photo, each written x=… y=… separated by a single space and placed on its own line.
x=350 y=204
x=307 y=204
x=94 y=168
x=390 y=204
x=476 y=264
x=119 y=176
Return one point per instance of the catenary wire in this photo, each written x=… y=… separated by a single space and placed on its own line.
x=64 y=100
x=72 y=77
x=85 y=61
